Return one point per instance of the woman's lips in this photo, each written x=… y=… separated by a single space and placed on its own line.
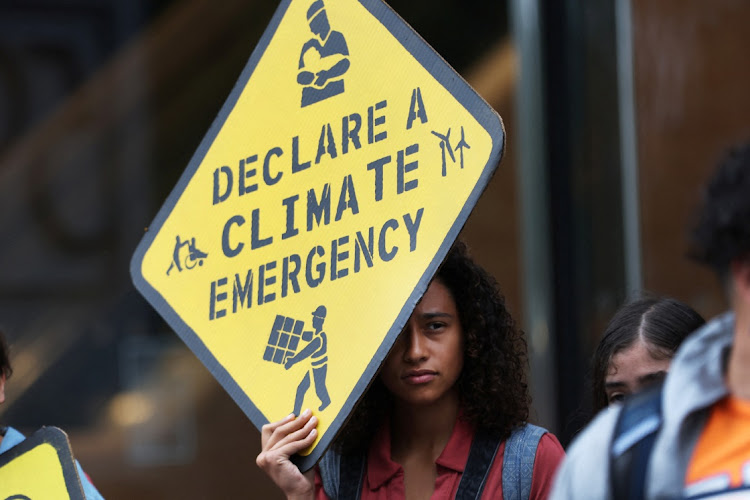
x=417 y=377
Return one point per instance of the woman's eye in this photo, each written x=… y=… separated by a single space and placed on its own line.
x=614 y=398
x=435 y=326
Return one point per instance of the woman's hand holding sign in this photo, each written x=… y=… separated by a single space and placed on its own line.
x=280 y=440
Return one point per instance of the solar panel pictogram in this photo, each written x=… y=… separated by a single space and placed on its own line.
x=284 y=339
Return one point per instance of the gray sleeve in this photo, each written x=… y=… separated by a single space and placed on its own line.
x=584 y=473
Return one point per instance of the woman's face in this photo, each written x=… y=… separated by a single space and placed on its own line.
x=631 y=370
x=426 y=360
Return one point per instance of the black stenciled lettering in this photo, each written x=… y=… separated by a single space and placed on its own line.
x=337 y=256
x=402 y=168
x=267 y=177
x=273 y=163
x=364 y=249
x=218 y=198
x=226 y=247
x=412 y=226
x=416 y=108
x=290 y=275
x=247 y=174
x=265 y=282
x=347 y=199
x=326 y=143
x=377 y=166
x=291 y=230
x=352 y=134
x=242 y=292
x=317 y=210
x=296 y=165
x=255 y=240
x=373 y=121
x=387 y=255
x=320 y=267
x=371 y=246
x=217 y=296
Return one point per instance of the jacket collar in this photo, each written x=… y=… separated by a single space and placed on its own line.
x=381 y=468
x=696 y=374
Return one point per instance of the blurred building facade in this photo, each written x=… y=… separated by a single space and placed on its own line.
x=615 y=112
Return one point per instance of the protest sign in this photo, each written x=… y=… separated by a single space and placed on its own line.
x=317 y=208
x=41 y=466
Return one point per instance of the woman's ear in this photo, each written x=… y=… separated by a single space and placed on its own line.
x=2 y=388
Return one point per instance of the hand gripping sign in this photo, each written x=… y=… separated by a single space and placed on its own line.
x=317 y=208
x=41 y=466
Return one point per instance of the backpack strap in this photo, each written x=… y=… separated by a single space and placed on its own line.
x=342 y=479
x=329 y=472
x=482 y=453
x=518 y=461
x=635 y=433
x=352 y=473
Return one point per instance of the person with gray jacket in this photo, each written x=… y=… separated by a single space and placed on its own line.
x=701 y=435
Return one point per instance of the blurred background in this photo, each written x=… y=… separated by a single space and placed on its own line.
x=615 y=112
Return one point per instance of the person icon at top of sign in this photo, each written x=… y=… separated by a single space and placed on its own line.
x=317 y=351
x=323 y=59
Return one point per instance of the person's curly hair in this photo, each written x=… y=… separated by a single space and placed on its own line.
x=492 y=385
x=722 y=229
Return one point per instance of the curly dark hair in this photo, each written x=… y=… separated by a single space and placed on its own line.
x=663 y=322
x=492 y=385
x=5 y=369
x=721 y=232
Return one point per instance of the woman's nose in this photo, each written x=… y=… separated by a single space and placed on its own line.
x=415 y=346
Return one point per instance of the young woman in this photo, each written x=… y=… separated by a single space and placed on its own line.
x=638 y=345
x=454 y=379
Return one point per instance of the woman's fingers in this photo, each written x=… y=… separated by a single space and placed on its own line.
x=281 y=440
x=269 y=428
x=288 y=429
x=298 y=439
x=288 y=447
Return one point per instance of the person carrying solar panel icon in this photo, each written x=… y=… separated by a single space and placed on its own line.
x=317 y=351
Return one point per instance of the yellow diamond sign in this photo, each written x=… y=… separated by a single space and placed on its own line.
x=317 y=208
x=40 y=466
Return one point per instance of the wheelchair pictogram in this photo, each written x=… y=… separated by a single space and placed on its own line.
x=186 y=255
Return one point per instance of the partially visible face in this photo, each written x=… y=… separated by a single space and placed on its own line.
x=426 y=360
x=632 y=370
